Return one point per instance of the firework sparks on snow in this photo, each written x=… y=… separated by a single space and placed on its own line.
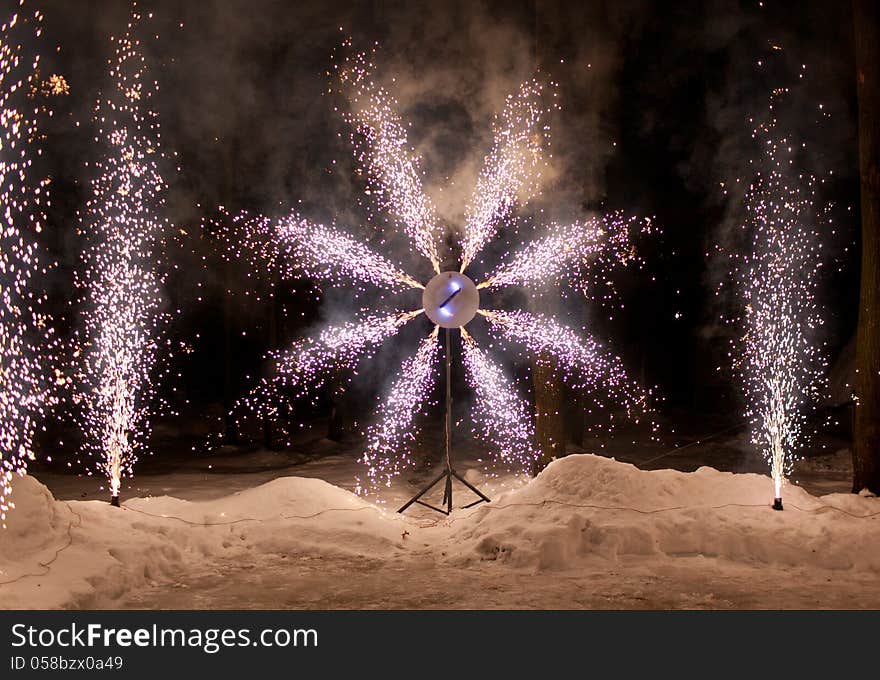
x=777 y=355
x=25 y=334
x=121 y=277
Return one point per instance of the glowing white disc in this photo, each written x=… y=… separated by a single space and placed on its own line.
x=450 y=300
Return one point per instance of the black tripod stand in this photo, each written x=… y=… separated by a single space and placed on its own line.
x=449 y=472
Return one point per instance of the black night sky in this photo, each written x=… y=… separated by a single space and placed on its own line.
x=655 y=105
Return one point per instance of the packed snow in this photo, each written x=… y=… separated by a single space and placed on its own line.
x=586 y=506
x=589 y=531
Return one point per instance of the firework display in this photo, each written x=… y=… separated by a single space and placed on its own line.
x=386 y=452
x=502 y=417
x=512 y=169
x=398 y=305
x=25 y=333
x=121 y=348
x=382 y=148
x=511 y=175
x=122 y=272
x=778 y=354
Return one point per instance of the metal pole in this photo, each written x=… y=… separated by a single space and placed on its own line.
x=448 y=473
x=448 y=398
x=448 y=493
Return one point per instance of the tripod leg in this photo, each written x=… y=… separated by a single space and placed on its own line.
x=424 y=491
x=448 y=493
x=470 y=486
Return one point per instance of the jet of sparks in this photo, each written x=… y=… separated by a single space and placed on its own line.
x=25 y=334
x=382 y=148
x=122 y=275
x=512 y=170
x=568 y=251
x=584 y=363
x=511 y=175
x=386 y=454
x=777 y=355
x=503 y=417
x=292 y=246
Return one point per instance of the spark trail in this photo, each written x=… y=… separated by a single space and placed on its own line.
x=294 y=246
x=308 y=363
x=383 y=151
x=583 y=362
x=25 y=335
x=778 y=356
x=502 y=416
x=326 y=253
x=512 y=169
x=387 y=452
x=566 y=250
x=122 y=272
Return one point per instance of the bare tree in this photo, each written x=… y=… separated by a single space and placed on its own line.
x=549 y=413
x=866 y=451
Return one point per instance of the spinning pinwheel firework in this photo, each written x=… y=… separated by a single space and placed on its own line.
x=451 y=299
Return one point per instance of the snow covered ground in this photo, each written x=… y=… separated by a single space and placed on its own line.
x=588 y=532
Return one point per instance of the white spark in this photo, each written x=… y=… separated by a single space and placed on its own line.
x=26 y=339
x=122 y=272
x=387 y=453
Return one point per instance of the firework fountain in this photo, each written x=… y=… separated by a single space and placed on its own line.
x=26 y=338
x=121 y=275
x=511 y=175
x=777 y=355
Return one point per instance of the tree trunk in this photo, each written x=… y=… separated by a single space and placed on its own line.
x=866 y=449
x=550 y=409
x=575 y=417
x=230 y=387
x=336 y=425
x=273 y=342
x=230 y=435
x=549 y=418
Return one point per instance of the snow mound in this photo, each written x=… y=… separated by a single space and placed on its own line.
x=88 y=553
x=583 y=510
x=583 y=506
x=285 y=497
x=286 y=515
x=33 y=526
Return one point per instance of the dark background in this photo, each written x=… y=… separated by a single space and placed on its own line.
x=655 y=99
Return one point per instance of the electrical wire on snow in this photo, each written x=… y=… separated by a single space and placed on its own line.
x=71 y=525
x=549 y=501
x=448 y=521
x=48 y=565
x=651 y=511
x=249 y=519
